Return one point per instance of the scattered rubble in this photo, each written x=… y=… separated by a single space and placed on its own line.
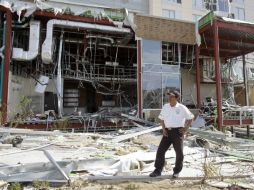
x=211 y=157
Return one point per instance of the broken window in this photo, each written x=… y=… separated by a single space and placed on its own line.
x=227 y=72
x=251 y=74
x=173 y=53
x=170 y=82
x=151 y=57
x=152 y=90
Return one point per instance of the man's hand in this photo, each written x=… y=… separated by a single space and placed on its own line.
x=183 y=130
x=165 y=132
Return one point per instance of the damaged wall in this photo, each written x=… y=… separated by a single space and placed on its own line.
x=114 y=10
x=189 y=90
x=251 y=94
x=189 y=87
x=20 y=86
x=240 y=95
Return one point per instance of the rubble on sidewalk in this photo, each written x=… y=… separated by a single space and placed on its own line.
x=60 y=157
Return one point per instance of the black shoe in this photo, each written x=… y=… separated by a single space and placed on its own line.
x=175 y=175
x=155 y=173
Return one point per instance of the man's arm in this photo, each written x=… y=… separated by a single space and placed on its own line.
x=186 y=126
x=161 y=117
x=189 y=117
x=164 y=131
x=188 y=123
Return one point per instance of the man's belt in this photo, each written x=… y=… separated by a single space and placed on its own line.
x=173 y=128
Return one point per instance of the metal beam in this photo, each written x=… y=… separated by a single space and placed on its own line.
x=236 y=26
x=233 y=51
x=7 y=59
x=139 y=81
x=59 y=80
x=225 y=46
x=217 y=74
x=197 y=54
x=245 y=79
x=135 y=134
x=133 y=118
x=2 y=63
x=204 y=28
x=222 y=54
x=231 y=38
x=51 y=159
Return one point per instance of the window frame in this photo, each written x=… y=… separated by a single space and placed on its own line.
x=237 y=10
x=224 y=3
x=195 y=7
x=169 y=11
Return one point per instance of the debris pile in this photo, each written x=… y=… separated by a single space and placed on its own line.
x=210 y=156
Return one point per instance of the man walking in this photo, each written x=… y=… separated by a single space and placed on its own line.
x=175 y=121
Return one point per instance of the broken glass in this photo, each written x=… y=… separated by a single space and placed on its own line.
x=157 y=77
x=152 y=90
x=170 y=82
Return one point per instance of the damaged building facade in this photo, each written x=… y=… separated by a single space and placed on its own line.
x=236 y=69
x=240 y=10
x=72 y=58
x=80 y=58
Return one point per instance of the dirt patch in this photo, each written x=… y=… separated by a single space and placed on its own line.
x=152 y=185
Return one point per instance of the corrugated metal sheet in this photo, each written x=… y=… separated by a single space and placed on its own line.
x=168 y=30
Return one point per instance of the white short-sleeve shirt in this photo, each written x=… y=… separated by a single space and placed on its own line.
x=175 y=116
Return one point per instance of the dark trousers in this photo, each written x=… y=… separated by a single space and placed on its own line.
x=175 y=138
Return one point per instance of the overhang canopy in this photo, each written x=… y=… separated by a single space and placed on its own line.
x=236 y=37
x=169 y=30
